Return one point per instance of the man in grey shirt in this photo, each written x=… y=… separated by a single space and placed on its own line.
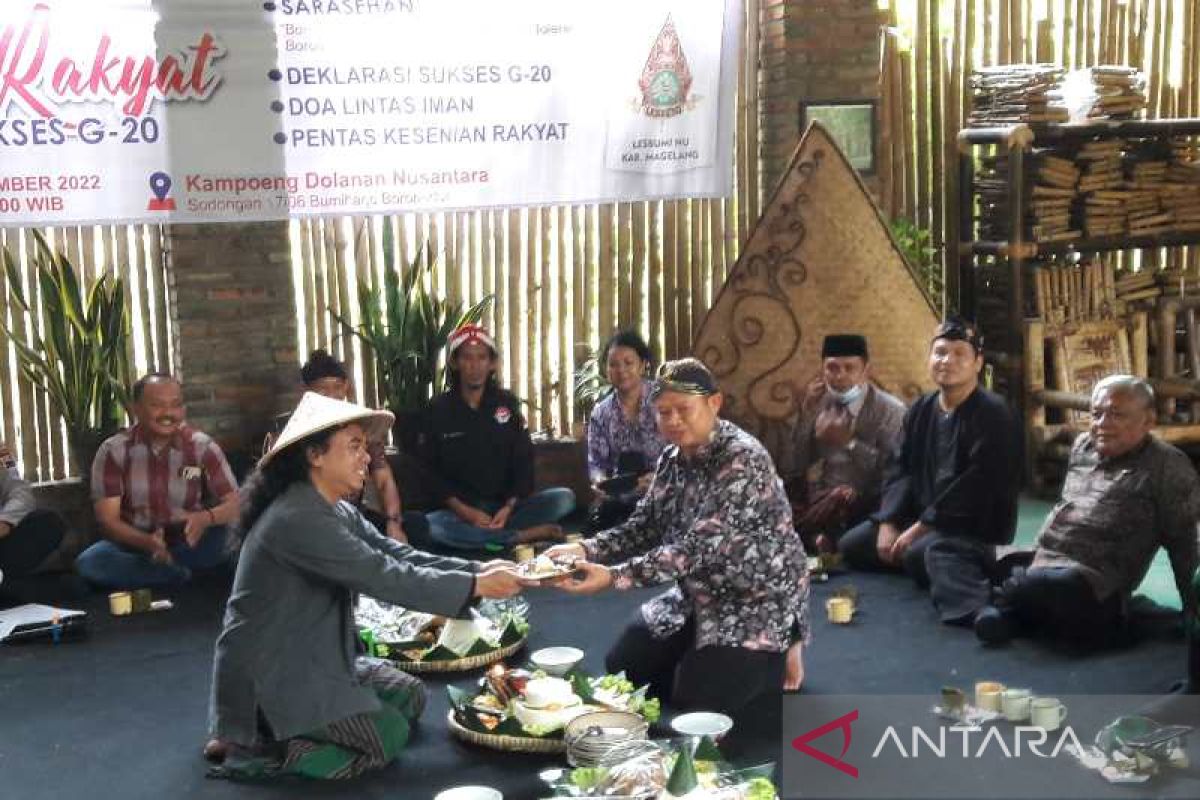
x=289 y=695
x=28 y=535
x=1126 y=494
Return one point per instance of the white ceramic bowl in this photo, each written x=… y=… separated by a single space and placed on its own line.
x=557 y=661
x=470 y=793
x=702 y=723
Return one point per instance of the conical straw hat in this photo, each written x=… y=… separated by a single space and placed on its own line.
x=316 y=412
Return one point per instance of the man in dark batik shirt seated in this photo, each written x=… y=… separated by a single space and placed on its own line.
x=1126 y=494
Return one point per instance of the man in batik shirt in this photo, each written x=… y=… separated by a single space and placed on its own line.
x=847 y=431
x=1126 y=494
x=715 y=522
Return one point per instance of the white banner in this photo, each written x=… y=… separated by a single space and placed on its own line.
x=222 y=110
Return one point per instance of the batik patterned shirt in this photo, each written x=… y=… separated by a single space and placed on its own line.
x=1115 y=513
x=719 y=526
x=610 y=434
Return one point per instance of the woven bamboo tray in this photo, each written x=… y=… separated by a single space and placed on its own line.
x=461 y=664
x=507 y=744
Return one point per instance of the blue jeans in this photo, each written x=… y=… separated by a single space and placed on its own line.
x=540 y=508
x=112 y=566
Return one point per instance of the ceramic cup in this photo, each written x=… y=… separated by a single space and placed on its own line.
x=469 y=793
x=120 y=603
x=987 y=695
x=1015 y=704
x=1047 y=713
x=840 y=610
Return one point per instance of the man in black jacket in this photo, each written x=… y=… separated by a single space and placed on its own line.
x=479 y=457
x=950 y=495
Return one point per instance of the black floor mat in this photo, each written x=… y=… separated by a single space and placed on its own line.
x=122 y=713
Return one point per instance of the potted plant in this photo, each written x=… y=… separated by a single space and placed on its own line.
x=590 y=387
x=406 y=328
x=81 y=359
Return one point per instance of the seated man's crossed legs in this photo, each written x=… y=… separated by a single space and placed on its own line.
x=533 y=519
x=956 y=570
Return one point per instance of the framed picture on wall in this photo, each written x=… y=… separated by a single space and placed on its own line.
x=851 y=123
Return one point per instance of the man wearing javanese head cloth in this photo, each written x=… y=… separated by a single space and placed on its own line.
x=846 y=433
x=950 y=495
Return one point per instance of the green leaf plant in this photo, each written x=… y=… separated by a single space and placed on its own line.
x=406 y=327
x=80 y=359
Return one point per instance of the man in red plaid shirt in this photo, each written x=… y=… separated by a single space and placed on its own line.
x=163 y=495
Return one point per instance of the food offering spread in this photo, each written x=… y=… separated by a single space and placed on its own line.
x=662 y=770
x=420 y=642
x=526 y=711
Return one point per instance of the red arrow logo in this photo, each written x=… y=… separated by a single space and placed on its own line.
x=843 y=722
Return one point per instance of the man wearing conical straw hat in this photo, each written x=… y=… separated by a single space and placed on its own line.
x=289 y=696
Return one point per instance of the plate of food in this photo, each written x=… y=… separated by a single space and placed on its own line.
x=653 y=770
x=544 y=568
x=520 y=710
x=420 y=642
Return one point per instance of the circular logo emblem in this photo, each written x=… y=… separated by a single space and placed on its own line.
x=503 y=415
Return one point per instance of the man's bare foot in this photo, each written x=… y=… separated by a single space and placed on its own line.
x=215 y=751
x=793 y=677
x=541 y=533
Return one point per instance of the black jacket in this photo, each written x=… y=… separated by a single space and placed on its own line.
x=477 y=455
x=975 y=498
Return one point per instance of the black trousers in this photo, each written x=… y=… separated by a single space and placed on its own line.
x=1059 y=602
x=713 y=678
x=31 y=542
x=956 y=570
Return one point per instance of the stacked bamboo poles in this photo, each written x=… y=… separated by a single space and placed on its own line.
x=1076 y=292
x=1141 y=34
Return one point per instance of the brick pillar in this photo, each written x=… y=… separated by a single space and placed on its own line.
x=812 y=50
x=234 y=325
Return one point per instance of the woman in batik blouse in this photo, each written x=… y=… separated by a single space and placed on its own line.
x=716 y=526
x=623 y=439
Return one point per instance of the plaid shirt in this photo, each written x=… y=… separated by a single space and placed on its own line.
x=156 y=488
x=719 y=527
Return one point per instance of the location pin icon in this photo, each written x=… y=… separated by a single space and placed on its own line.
x=160 y=184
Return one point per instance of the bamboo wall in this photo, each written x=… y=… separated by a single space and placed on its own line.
x=563 y=278
x=932 y=47
x=135 y=254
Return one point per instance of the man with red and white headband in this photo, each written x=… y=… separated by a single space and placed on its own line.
x=479 y=456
